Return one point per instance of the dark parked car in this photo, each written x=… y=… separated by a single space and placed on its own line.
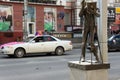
x=114 y=43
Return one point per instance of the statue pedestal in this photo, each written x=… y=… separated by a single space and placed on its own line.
x=88 y=71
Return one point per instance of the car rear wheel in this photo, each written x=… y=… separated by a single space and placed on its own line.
x=19 y=53
x=59 y=51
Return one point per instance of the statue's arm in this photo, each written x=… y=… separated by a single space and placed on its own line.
x=83 y=3
x=94 y=11
x=81 y=12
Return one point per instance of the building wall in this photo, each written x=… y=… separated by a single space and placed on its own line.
x=17 y=20
x=39 y=17
x=17 y=17
x=60 y=21
x=67 y=18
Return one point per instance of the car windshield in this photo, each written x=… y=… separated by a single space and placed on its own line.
x=28 y=39
x=111 y=38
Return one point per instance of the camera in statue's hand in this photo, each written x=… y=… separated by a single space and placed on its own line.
x=83 y=3
x=91 y=10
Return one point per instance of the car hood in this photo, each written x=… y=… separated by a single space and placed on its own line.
x=11 y=43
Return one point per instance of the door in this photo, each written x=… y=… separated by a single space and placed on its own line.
x=31 y=28
x=49 y=44
x=36 y=45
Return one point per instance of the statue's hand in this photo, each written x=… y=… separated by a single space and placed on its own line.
x=98 y=12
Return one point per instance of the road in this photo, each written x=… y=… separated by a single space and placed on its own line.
x=44 y=67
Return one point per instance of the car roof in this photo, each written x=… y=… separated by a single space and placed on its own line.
x=42 y=35
x=117 y=35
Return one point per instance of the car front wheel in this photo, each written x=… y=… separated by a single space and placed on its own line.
x=11 y=55
x=19 y=53
x=59 y=51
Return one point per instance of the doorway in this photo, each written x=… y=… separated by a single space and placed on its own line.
x=31 y=28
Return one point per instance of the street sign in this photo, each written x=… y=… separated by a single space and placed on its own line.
x=111 y=14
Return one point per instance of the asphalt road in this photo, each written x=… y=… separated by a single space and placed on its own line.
x=44 y=67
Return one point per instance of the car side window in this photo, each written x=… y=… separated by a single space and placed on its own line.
x=48 y=38
x=38 y=39
x=117 y=38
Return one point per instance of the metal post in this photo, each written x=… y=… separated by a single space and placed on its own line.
x=25 y=33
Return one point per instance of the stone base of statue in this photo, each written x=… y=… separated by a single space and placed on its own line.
x=88 y=70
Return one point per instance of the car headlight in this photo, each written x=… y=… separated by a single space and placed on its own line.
x=7 y=47
x=114 y=41
x=2 y=47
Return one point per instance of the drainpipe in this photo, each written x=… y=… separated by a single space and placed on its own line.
x=25 y=33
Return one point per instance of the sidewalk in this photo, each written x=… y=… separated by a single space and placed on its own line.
x=76 y=45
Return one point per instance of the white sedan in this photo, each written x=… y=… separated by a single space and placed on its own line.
x=38 y=44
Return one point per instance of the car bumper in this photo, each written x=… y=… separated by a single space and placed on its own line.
x=4 y=51
x=69 y=48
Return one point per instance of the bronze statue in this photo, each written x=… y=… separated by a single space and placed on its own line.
x=89 y=12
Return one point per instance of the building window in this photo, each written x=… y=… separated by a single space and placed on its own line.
x=5 y=18
x=40 y=1
x=31 y=14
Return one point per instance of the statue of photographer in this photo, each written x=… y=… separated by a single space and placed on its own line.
x=89 y=12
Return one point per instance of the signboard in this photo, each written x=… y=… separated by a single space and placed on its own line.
x=117 y=10
x=117 y=18
x=63 y=35
x=50 y=19
x=111 y=14
x=77 y=35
